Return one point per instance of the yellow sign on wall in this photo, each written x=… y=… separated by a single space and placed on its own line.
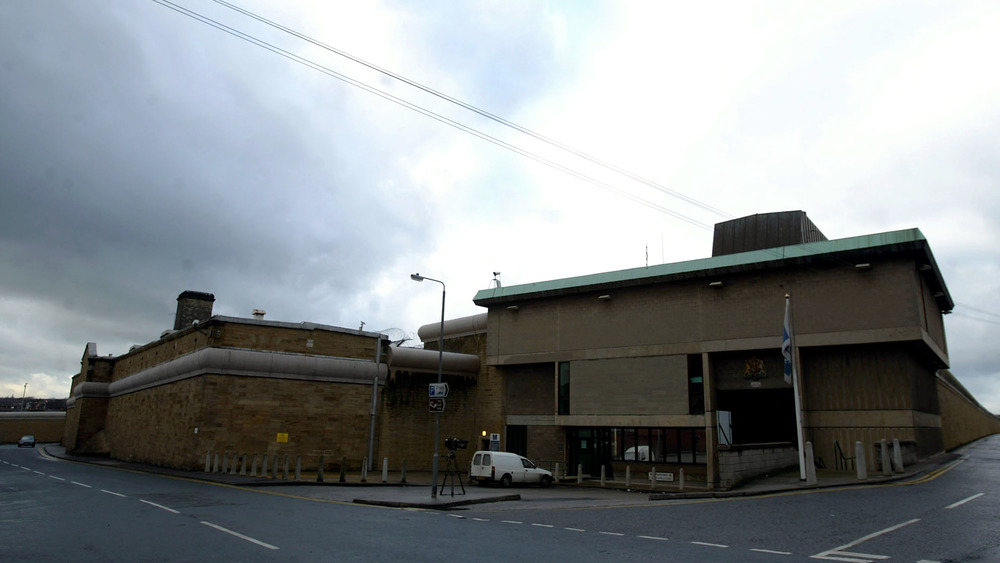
x=282 y=437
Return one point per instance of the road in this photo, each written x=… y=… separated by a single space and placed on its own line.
x=54 y=510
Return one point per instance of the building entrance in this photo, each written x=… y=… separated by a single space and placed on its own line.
x=760 y=415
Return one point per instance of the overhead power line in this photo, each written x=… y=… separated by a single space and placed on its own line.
x=479 y=111
x=426 y=112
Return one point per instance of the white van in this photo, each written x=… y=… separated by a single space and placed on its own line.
x=506 y=468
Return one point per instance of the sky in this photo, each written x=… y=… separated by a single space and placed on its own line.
x=144 y=152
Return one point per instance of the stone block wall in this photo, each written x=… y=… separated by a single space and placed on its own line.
x=45 y=426
x=742 y=463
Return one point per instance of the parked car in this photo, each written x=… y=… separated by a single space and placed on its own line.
x=26 y=442
x=506 y=468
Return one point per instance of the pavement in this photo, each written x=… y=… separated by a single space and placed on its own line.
x=456 y=493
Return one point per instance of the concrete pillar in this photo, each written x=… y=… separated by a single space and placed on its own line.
x=402 y=473
x=233 y=463
x=602 y=475
x=215 y=465
x=810 y=465
x=579 y=473
x=897 y=456
x=680 y=481
x=298 y=467
x=385 y=469
x=208 y=461
x=859 y=460
x=886 y=464
x=253 y=468
x=319 y=469
x=652 y=479
x=225 y=461
x=364 y=470
x=243 y=466
x=556 y=472
x=284 y=470
x=343 y=469
x=263 y=466
x=628 y=476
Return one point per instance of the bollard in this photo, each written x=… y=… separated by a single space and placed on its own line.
x=319 y=469
x=215 y=465
x=652 y=480
x=556 y=472
x=343 y=469
x=263 y=466
x=886 y=469
x=364 y=470
x=810 y=465
x=208 y=461
x=253 y=468
x=225 y=459
x=385 y=469
x=602 y=476
x=897 y=456
x=232 y=464
x=284 y=470
x=298 y=467
x=680 y=481
x=859 y=460
x=243 y=466
x=579 y=473
x=628 y=476
x=402 y=475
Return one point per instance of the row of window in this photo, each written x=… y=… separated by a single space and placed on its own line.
x=659 y=445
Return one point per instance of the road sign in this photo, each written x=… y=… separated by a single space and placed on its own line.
x=436 y=404
x=437 y=390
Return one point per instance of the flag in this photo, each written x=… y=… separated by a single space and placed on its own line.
x=786 y=341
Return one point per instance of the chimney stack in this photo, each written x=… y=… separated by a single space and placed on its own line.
x=259 y=314
x=193 y=306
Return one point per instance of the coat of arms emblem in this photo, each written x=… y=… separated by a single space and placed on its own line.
x=755 y=370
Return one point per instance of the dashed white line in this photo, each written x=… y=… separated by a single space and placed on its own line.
x=709 y=544
x=80 y=484
x=653 y=538
x=56 y=478
x=574 y=529
x=160 y=506
x=460 y=517
x=963 y=501
x=239 y=535
x=511 y=522
x=113 y=493
x=771 y=551
x=481 y=519
x=39 y=472
x=611 y=533
x=544 y=525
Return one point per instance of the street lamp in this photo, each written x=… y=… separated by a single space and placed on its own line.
x=437 y=417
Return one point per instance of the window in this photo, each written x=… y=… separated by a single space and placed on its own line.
x=517 y=439
x=563 y=388
x=658 y=445
x=696 y=385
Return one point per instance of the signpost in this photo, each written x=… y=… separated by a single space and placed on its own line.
x=437 y=390
x=436 y=404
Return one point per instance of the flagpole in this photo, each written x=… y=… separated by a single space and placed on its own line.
x=790 y=353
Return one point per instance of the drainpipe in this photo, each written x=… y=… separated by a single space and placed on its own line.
x=371 y=431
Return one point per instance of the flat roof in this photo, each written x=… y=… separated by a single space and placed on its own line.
x=908 y=240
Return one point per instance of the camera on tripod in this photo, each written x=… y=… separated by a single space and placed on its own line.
x=455 y=444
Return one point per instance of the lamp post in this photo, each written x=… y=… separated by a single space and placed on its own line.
x=437 y=417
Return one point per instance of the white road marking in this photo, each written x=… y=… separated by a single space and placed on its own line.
x=839 y=553
x=113 y=493
x=544 y=525
x=81 y=484
x=709 y=544
x=574 y=529
x=159 y=506
x=56 y=478
x=963 y=501
x=457 y=516
x=611 y=533
x=771 y=551
x=239 y=535
x=653 y=538
x=511 y=522
x=481 y=519
x=40 y=473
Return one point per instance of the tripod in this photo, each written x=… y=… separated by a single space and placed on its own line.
x=451 y=472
